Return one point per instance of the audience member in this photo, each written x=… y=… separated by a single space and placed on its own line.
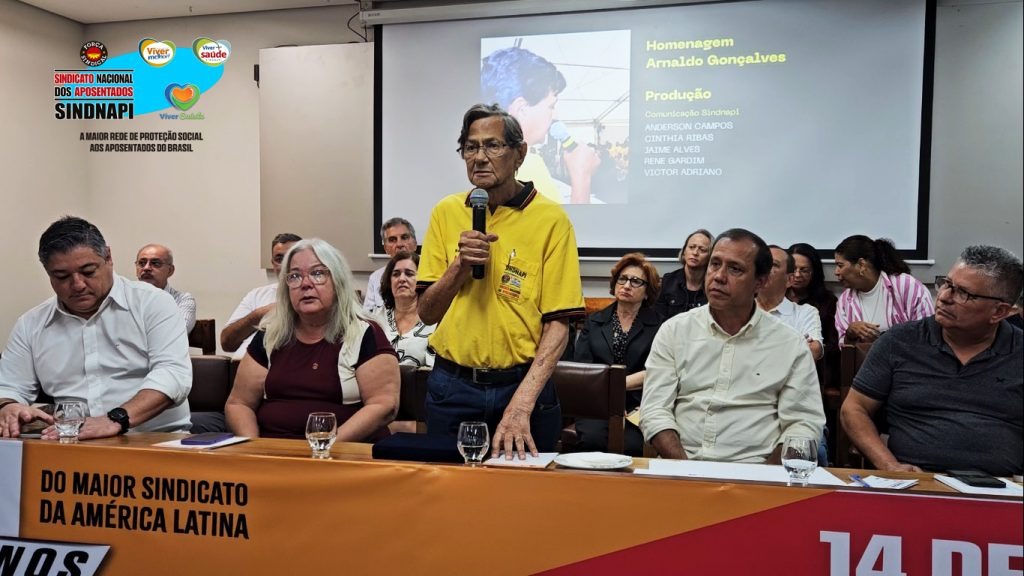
x=725 y=381
x=879 y=290
x=498 y=338
x=400 y=319
x=950 y=384
x=808 y=287
x=399 y=314
x=245 y=320
x=802 y=318
x=772 y=299
x=622 y=333
x=527 y=85
x=683 y=289
x=117 y=344
x=397 y=235
x=314 y=353
x=154 y=264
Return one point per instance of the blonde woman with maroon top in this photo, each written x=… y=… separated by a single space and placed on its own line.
x=315 y=353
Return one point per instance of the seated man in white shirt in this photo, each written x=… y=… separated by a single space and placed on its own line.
x=800 y=317
x=154 y=264
x=724 y=381
x=245 y=320
x=397 y=235
x=119 y=345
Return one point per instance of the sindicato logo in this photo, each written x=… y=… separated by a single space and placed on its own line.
x=93 y=53
x=156 y=53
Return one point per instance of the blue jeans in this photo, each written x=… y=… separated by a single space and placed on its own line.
x=452 y=400
x=823 y=448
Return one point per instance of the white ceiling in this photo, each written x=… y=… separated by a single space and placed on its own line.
x=99 y=11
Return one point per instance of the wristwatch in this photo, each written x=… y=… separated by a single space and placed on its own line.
x=119 y=415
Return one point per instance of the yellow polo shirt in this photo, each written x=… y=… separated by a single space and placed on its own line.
x=533 y=277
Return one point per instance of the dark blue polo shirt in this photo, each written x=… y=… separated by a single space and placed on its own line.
x=944 y=415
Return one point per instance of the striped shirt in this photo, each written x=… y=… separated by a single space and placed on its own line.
x=906 y=299
x=186 y=305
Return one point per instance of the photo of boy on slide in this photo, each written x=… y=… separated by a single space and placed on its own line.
x=568 y=171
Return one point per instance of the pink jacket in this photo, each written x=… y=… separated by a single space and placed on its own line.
x=907 y=299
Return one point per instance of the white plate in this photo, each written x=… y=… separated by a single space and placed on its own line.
x=594 y=461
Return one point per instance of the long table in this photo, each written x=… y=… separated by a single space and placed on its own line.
x=265 y=507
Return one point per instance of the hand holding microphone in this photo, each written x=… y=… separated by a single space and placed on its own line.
x=560 y=132
x=478 y=201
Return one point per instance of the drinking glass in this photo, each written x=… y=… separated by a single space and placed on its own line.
x=69 y=416
x=473 y=441
x=799 y=458
x=321 y=431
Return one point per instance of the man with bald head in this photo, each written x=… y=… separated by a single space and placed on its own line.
x=154 y=264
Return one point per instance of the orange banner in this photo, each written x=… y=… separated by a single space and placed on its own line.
x=171 y=512
x=168 y=512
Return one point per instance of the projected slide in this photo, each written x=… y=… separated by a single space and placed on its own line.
x=800 y=120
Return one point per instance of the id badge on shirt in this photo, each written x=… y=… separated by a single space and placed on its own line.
x=518 y=278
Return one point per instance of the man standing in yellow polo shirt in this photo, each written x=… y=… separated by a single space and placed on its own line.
x=498 y=338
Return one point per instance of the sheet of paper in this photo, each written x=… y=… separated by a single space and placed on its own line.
x=890 y=483
x=634 y=417
x=178 y=444
x=541 y=460
x=733 y=471
x=1010 y=490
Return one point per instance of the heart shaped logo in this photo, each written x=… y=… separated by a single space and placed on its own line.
x=156 y=53
x=182 y=97
x=212 y=52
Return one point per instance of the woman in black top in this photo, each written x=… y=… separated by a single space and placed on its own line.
x=621 y=334
x=683 y=289
x=808 y=287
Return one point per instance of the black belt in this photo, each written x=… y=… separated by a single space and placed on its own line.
x=483 y=376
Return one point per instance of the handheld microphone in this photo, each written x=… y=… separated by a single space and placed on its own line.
x=478 y=200
x=560 y=132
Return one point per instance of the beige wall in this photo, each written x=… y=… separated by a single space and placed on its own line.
x=44 y=175
x=204 y=205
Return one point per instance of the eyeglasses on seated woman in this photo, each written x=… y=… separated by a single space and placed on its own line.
x=622 y=333
x=314 y=352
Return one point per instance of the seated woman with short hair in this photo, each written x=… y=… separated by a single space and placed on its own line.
x=314 y=353
x=622 y=333
x=880 y=292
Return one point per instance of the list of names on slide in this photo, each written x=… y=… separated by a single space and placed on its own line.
x=687 y=132
x=686 y=147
